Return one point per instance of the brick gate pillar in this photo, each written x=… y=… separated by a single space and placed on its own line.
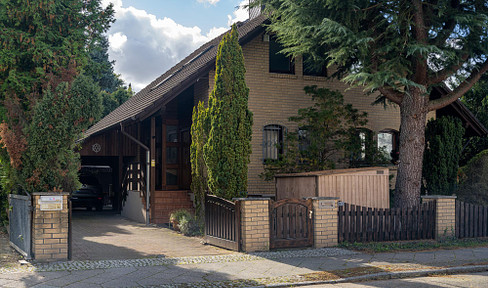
x=50 y=226
x=445 y=218
x=254 y=224
x=325 y=221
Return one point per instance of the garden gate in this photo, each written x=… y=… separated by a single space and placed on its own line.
x=471 y=220
x=291 y=223
x=20 y=221
x=222 y=222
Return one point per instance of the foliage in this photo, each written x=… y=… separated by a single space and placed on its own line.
x=443 y=142
x=188 y=224
x=43 y=45
x=50 y=163
x=327 y=129
x=199 y=134
x=226 y=152
x=476 y=100
x=101 y=68
x=400 y=49
x=473 y=186
x=110 y=101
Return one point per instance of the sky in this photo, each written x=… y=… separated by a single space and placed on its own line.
x=150 y=36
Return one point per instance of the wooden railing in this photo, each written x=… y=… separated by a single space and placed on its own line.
x=222 y=222
x=134 y=179
x=363 y=224
x=471 y=220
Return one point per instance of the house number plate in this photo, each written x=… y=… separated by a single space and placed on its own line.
x=326 y=204
x=51 y=203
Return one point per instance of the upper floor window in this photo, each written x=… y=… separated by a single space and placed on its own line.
x=279 y=62
x=312 y=69
x=273 y=142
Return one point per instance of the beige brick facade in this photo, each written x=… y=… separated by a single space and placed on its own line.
x=255 y=224
x=50 y=230
x=274 y=97
x=325 y=221
x=445 y=222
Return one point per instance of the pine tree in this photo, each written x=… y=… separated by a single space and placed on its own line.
x=228 y=146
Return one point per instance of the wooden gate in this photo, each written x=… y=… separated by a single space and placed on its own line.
x=222 y=222
x=291 y=223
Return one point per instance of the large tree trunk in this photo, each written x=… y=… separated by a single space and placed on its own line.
x=413 y=113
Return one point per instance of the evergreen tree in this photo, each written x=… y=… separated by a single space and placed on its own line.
x=101 y=69
x=228 y=146
x=401 y=49
x=199 y=135
x=441 y=157
x=43 y=45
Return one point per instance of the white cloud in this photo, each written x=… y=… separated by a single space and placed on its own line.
x=241 y=14
x=213 y=2
x=144 y=46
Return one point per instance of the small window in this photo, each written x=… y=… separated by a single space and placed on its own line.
x=273 y=142
x=361 y=147
x=303 y=139
x=312 y=69
x=279 y=62
x=388 y=142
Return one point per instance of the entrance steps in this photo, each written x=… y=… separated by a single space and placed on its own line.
x=166 y=202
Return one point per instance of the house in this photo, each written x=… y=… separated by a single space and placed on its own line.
x=159 y=118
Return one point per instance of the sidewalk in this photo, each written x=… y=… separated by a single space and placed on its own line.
x=280 y=268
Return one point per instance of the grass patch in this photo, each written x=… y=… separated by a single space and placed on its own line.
x=375 y=247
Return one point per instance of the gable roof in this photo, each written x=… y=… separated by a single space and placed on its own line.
x=167 y=86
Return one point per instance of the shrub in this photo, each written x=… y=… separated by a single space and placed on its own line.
x=473 y=186
x=187 y=223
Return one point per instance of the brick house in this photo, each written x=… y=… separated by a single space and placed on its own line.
x=159 y=117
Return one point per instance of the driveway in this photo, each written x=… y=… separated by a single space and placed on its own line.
x=106 y=235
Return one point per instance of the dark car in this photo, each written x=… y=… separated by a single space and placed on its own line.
x=89 y=195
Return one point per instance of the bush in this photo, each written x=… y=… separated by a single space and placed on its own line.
x=473 y=186
x=187 y=223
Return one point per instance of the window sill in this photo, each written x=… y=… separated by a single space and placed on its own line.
x=313 y=78
x=282 y=75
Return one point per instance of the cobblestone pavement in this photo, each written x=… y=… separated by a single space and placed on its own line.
x=327 y=265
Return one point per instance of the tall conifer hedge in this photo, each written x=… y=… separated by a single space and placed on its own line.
x=228 y=143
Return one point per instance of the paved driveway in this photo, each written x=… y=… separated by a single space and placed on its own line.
x=105 y=235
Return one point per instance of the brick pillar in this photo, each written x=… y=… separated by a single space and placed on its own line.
x=445 y=219
x=50 y=226
x=254 y=224
x=325 y=221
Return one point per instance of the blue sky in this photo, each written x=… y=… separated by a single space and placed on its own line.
x=150 y=36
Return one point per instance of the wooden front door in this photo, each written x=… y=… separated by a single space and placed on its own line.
x=291 y=223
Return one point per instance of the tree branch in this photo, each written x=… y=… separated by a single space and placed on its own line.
x=392 y=95
x=445 y=73
x=460 y=90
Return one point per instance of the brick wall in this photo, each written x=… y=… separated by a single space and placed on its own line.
x=254 y=224
x=50 y=230
x=325 y=221
x=445 y=222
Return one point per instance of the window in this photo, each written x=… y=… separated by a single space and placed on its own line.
x=388 y=142
x=273 y=142
x=361 y=147
x=312 y=69
x=303 y=140
x=279 y=62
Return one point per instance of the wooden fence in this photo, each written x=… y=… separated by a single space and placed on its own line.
x=471 y=220
x=222 y=222
x=363 y=224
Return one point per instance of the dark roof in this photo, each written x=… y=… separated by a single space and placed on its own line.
x=164 y=88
